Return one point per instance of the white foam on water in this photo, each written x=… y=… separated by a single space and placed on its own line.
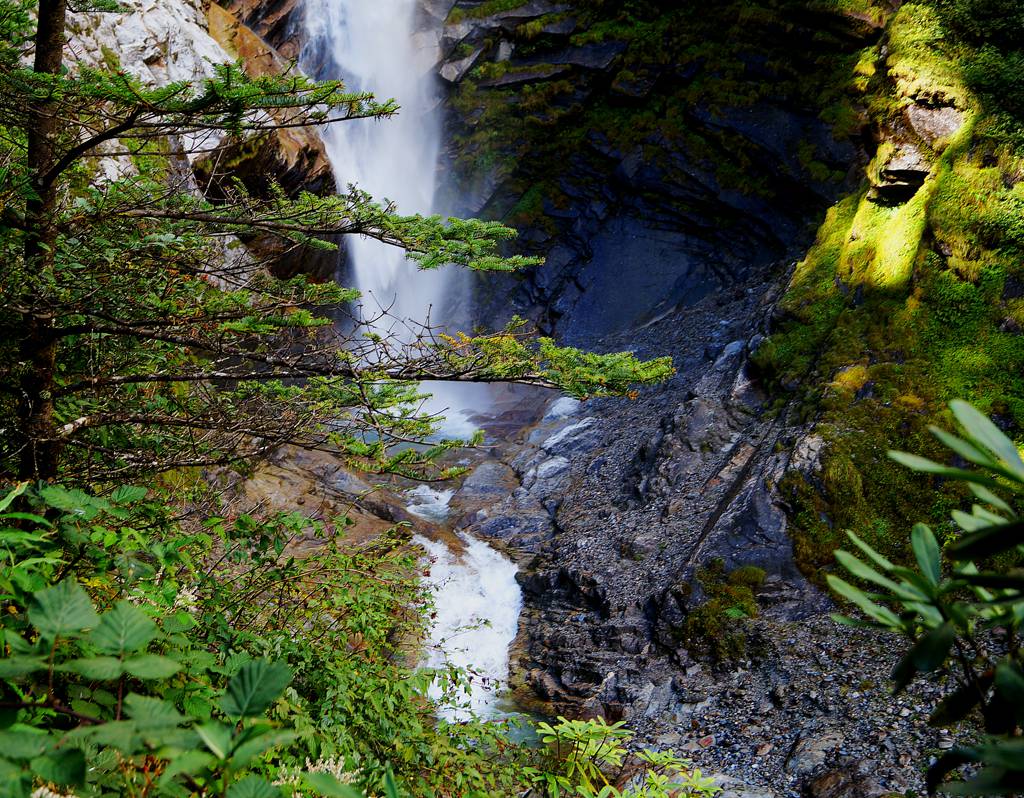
x=430 y=503
x=373 y=46
x=477 y=601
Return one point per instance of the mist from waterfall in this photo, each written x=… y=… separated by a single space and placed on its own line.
x=372 y=46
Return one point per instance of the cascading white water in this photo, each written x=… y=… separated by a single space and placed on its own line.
x=372 y=46
x=477 y=603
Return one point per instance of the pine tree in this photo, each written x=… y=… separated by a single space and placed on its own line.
x=135 y=341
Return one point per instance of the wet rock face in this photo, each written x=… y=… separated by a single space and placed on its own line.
x=293 y=158
x=630 y=233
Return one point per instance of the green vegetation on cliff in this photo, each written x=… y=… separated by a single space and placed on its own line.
x=673 y=70
x=911 y=295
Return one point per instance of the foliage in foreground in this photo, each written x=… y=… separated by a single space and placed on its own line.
x=962 y=607
x=144 y=656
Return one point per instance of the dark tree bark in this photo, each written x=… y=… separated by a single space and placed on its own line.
x=38 y=346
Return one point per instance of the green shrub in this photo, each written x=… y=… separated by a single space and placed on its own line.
x=962 y=609
x=716 y=626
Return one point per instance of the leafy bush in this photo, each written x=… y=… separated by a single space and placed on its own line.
x=958 y=614
x=142 y=656
x=145 y=656
x=717 y=625
x=589 y=757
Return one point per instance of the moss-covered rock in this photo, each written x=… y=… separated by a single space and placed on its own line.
x=901 y=305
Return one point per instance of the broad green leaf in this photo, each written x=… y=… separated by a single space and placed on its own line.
x=254 y=688
x=66 y=767
x=13 y=494
x=1011 y=580
x=75 y=502
x=120 y=734
x=965 y=449
x=9 y=536
x=197 y=706
x=873 y=555
x=23 y=744
x=926 y=550
x=151 y=713
x=930 y=614
x=993 y=518
x=128 y=494
x=253 y=787
x=21 y=665
x=217 y=737
x=190 y=762
x=988 y=541
x=856 y=623
x=390 y=785
x=102 y=669
x=1006 y=753
x=151 y=666
x=926 y=655
x=122 y=630
x=864 y=571
x=15 y=781
x=1010 y=688
x=866 y=605
x=978 y=519
x=924 y=465
x=981 y=429
x=944 y=764
x=251 y=748
x=971 y=523
x=957 y=705
x=915 y=579
x=987 y=496
x=63 y=609
x=329 y=786
x=998 y=779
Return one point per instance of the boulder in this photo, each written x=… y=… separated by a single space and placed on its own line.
x=811 y=752
x=902 y=174
x=454 y=71
x=934 y=124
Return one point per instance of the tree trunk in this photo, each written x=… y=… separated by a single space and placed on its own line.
x=38 y=347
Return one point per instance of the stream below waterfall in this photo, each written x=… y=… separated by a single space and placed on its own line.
x=373 y=46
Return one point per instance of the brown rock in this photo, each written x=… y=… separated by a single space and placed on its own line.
x=933 y=124
x=852 y=780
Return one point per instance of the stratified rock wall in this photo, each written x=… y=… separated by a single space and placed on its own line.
x=649 y=167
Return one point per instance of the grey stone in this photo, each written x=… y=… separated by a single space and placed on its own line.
x=454 y=71
x=933 y=124
x=579 y=437
x=811 y=753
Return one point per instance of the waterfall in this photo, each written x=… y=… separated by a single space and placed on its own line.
x=372 y=46
x=477 y=603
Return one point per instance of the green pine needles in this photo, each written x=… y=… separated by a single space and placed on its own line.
x=139 y=336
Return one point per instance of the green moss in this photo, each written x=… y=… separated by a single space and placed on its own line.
x=485 y=9
x=919 y=61
x=110 y=58
x=716 y=627
x=897 y=309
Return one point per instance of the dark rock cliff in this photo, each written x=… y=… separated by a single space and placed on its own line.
x=650 y=167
